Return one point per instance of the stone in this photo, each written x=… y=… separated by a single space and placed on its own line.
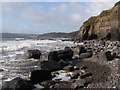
x=63 y=63
x=86 y=55
x=78 y=84
x=38 y=76
x=53 y=55
x=65 y=54
x=69 y=68
x=17 y=84
x=48 y=83
x=86 y=74
x=1 y=70
x=49 y=65
x=108 y=55
x=75 y=74
x=33 y=54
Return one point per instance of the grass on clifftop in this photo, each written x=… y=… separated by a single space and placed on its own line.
x=105 y=13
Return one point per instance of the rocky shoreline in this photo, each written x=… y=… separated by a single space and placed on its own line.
x=95 y=64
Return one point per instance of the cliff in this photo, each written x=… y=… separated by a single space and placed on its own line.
x=104 y=26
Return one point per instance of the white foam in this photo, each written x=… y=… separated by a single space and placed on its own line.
x=10 y=49
x=62 y=75
x=38 y=86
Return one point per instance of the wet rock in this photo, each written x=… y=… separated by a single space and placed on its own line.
x=78 y=84
x=33 y=54
x=101 y=56
x=1 y=70
x=88 y=80
x=75 y=74
x=49 y=65
x=79 y=49
x=65 y=54
x=108 y=55
x=86 y=55
x=48 y=83
x=84 y=68
x=69 y=68
x=53 y=55
x=38 y=76
x=62 y=85
x=17 y=84
x=81 y=83
x=63 y=63
x=82 y=50
x=86 y=74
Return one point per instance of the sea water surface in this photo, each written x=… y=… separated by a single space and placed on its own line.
x=12 y=53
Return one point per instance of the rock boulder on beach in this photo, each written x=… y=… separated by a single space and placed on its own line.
x=53 y=55
x=49 y=65
x=17 y=84
x=33 y=54
x=65 y=54
x=38 y=76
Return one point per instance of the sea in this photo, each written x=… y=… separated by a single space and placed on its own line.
x=12 y=51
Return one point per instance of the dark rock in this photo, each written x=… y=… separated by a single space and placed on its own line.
x=88 y=80
x=75 y=74
x=49 y=65
x=115 y=55
x=78 y=84
x=86 y=55
x=85 y=75
x=62 y=85
x=53 y=55
x=81 y=83
x=33 y=54
x=65 y=54
x=83 y=68
x=63 y=63
x=82 y=50
x=108 y=55
x=48 y=83
x=69 y=68
x=1 y=70
x=17 y=84
x=38 y=76
x=101 y=56
x=108 y=36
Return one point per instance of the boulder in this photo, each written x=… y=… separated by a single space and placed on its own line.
x=49 y=65
x=38 y=76
x=48 y=83
x=33 y=54
x=65 y=54
x=53 y=55
x=81 y=83
x=78 y=84
x=86 y=74
x=109 y=56
x=17 y=84
x=1 y=70
x=75 y=74
x=82 y=50
x=85 y=55
x=79 y=49
x=63 y=63
x=69 y=68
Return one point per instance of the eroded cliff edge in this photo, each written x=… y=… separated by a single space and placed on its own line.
x=104 y=26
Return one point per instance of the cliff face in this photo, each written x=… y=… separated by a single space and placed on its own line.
x=104 y=26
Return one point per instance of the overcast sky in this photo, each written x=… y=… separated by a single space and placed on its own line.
x=43 y=17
